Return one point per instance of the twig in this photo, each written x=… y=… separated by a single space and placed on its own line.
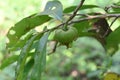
x=113 y=21
x=95 y=17
x=112 y=6
x=110 y=26
x=85 y=15
x=53 y=48
x=75 y=12
x=83 y=19
x=115 y=6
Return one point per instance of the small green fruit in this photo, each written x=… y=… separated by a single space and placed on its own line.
x=66 y=37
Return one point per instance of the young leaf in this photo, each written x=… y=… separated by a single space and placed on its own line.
x=24 y=26
x=40 y=58
x=22 y=58
x=54 y=9
x=72 y=8
x=9 y=61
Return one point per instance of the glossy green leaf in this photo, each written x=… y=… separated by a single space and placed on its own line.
x=23 y=56
x=24 y=26
x=113 y=40
x=9 y=61
x=40 y=58
x=54 y=9
x=72 y=8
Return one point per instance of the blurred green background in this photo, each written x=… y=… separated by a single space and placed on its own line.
x=80 y=62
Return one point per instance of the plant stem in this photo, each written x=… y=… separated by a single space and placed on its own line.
x=74 y=13
x=84 y=19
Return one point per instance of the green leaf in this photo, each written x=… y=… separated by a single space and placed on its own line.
x=54 y=9
x=105 y=3
x=72 y=8
x=115 y=67
x=23 y=56
x=21 y=42
x=113 y=40
x=116 y=10
x=83 y=28
x=40 y=58
x=9 y=61
x=27 y=69
x=24 y=26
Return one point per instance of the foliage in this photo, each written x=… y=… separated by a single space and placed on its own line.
x=33 y=48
